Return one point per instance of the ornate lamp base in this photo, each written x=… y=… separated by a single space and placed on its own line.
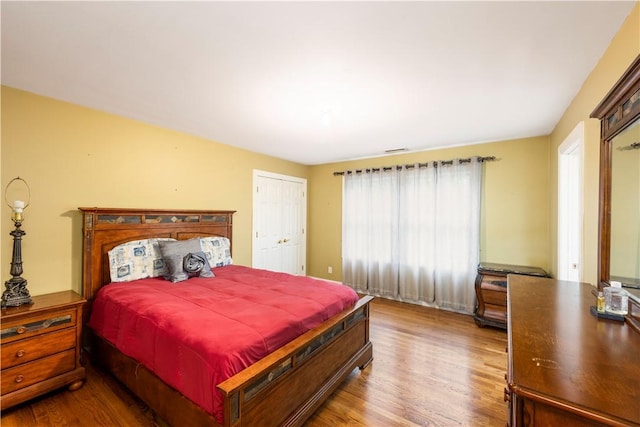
x=16 y=293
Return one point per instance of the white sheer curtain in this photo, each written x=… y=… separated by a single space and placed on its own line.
x=413 y=233
x=458 y=234
x=369 y=232
x=417 y=228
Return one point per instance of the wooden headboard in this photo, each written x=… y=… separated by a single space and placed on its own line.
x=105 y=228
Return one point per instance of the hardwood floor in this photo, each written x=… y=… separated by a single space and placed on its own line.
x=430 y=368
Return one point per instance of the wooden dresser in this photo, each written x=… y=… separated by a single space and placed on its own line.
x=41 y=347
x=565 y=366
x=491 y=291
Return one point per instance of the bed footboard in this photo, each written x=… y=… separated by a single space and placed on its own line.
x=286 y=387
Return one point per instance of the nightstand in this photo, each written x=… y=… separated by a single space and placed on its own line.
x=41 y=347
x=491 y=291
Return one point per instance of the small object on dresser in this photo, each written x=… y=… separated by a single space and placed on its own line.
x=616 y=300
x=600 y=302
x=606 y=315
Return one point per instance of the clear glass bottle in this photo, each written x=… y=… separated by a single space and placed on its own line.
x=616 y=300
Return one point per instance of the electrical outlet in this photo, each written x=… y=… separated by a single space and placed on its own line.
x=330 y=270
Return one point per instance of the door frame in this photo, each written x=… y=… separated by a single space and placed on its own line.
x=257 y=173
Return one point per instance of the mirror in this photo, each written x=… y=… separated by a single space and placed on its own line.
x=625 y=207
x=619 y=233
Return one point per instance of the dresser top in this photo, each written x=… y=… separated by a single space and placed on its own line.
x=562 y=354
x=489 y=267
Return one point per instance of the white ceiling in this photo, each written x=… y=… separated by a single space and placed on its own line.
x=315 y=82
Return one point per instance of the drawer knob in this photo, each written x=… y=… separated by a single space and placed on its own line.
x=19 y=379
x=21 y=329
x=20 y=353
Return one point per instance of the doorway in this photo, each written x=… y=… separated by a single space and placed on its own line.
x=570 y=205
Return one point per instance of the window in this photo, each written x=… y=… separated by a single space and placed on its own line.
x=412 y=233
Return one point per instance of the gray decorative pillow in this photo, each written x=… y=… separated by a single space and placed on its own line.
x=184 y=259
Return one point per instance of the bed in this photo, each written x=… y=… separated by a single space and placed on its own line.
x=284 y=387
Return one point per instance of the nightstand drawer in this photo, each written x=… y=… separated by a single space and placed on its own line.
x=36 y=325
x=495 y=312
x=494 y=297
x=39 y=370
x=23 y=351
x=494 y=282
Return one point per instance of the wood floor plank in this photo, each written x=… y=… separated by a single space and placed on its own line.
x=431 y=368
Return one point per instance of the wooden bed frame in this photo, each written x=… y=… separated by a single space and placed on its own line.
x=284 y=388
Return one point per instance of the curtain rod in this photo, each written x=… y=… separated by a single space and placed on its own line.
x=420 y=165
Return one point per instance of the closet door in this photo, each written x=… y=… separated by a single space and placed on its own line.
x=279 y=222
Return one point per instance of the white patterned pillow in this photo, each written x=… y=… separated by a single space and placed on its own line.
x=137 y=259
x=218 y=250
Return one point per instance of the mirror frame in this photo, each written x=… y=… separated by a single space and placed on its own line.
x=613 y=120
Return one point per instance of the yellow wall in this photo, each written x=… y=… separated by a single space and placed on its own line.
x=515 y=198
x=73 y=156
x=621 y=52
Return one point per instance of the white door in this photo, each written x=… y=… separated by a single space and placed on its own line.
x=570 y=197
x=279 y=222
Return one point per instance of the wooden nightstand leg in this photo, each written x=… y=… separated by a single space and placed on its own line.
x=75 y=385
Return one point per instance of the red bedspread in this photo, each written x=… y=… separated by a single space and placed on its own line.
x=196 y=334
